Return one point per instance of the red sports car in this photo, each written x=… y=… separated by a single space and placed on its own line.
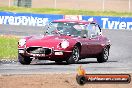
x=65 y=40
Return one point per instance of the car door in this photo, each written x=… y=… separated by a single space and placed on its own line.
x=94 y=45
x=93 y=42
x=84 y=46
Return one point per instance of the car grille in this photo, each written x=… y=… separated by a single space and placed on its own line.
x=39 y=50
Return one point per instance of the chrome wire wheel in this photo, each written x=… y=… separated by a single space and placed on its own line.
x=74 y=58
x=103 y=56
x=75 y=54
x=106 y=54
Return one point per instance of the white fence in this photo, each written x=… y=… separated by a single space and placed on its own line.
x=96 y=5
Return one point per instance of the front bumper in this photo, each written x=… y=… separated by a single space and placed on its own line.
x=53 y=55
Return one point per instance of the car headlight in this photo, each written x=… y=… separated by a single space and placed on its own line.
x=64 y=44
x=22 y=42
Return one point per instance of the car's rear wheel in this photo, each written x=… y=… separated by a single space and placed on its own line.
x=74 y=58
x=24 y=60
x=103 y=56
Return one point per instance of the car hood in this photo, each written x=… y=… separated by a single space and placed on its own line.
x=47 y=40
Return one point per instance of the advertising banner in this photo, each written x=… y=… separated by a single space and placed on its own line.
x=27 y=19
x=111 y=22
x=30 y=19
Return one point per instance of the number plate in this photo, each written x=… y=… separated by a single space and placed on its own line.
x=21 y=51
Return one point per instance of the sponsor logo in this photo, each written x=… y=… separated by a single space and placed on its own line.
x=73 y=17
x=115 y=24
x=83 y=78
x=23 y=20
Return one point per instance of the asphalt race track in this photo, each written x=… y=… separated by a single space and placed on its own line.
x=120 y=60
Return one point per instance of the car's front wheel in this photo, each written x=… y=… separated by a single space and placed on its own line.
x=24 y=60
x=103 y=56
x=74 y=58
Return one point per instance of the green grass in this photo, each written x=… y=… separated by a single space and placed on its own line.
x=65 y=11
x=8 y=47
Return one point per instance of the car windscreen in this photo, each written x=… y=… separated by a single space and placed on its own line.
x=67 y=28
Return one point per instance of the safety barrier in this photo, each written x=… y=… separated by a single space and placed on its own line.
x=30 y=19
